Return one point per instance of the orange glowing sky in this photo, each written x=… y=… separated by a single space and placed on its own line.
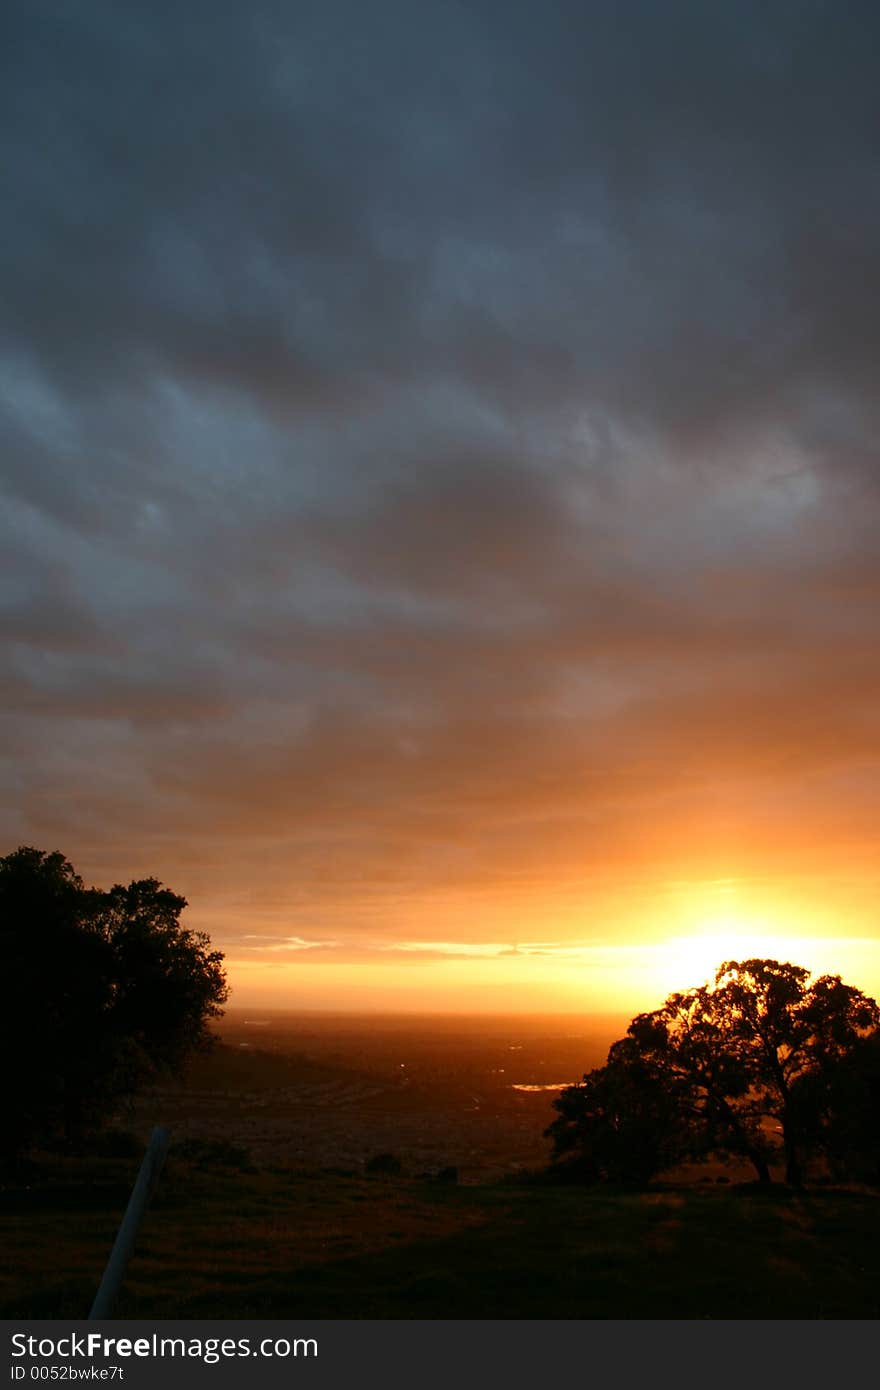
x=440 y=494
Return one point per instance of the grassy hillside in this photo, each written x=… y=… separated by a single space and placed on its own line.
x=226 y=1242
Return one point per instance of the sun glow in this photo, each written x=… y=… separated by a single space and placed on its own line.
x=684 y=962
x=715 y=927
x=693 y=960
x=725 y=919
x=571 y=958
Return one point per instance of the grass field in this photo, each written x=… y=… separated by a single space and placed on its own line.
x=221 y=1242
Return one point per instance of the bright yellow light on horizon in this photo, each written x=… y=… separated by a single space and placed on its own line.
x=674 y=940
x=688 y=961
x=622 y=979
x=727 y=919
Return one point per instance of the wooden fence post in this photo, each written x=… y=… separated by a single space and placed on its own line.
x=126 y=1236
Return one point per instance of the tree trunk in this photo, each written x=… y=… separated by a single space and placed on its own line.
x=759 y=1163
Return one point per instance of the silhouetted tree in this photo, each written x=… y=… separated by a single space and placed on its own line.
x=625 y=1122
x=841 y=1105
x=789 y=1038
x=104 y=989
x=685 y=1042
x=717 y=1069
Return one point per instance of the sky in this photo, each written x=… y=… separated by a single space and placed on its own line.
x=440 y=492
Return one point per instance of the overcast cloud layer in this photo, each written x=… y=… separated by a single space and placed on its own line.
x=439 y=448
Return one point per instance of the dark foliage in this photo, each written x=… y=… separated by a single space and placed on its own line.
x=723 y=1070
x=625 y=1122
x=105 y=990
x=383 y=1165
x=843 y=1106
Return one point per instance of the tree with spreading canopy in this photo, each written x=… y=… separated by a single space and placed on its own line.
x=105 y=990
x=720 y=1070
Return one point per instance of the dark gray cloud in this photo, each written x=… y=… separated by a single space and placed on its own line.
x=439 y=442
